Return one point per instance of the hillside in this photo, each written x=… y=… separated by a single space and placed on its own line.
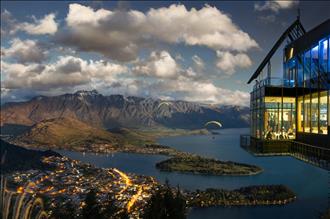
x=15 y=158
x=117 y=111
x=67 y=133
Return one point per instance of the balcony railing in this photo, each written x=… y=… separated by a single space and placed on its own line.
x=274 y=82
x=318 y=156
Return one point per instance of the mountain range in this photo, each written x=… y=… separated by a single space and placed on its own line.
x=118 y=111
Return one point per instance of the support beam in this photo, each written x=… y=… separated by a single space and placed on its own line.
x=296 y=24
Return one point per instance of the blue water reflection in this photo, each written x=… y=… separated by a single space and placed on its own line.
x=310 y=183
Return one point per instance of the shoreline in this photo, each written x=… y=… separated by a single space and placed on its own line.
x=255 y=195
x=220 y=168
x=212 y=201
x=198 y=165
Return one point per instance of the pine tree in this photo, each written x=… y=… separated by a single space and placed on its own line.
x=110 y=208
x=123 y=214
x=180 y=205
x=91 y=209
x=163 y=204
x=66 y=211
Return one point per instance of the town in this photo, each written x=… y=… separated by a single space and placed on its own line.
x=72 y=179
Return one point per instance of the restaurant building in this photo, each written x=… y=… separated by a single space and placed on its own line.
x=294 y=108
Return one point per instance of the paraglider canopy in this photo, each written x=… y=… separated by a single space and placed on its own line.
x=164 y=103
x=213 y=122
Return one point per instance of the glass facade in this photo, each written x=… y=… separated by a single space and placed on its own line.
x=279 y=118
x=300 y=114
x=273 y=118
x=323 y=113
x=283 y=117
x=307 y=113
x=256 y=108
x=313 y=113
x=313 y=75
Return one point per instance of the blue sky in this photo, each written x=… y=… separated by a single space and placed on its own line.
x=195 y=51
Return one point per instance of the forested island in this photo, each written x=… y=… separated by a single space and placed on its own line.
x=207 y=166
x=169 y=202
x=251 y=195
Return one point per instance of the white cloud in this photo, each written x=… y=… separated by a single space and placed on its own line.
x=8 y=23
x=206 y=27
x=80 y=14
x=179 y=57
x=4 y=92
x=71 y=73
x=120 y=34
x=46 y=25
x=24 y=51
x=160 y=64
x=198 y=63
x=228 y=62
x=275 y=6
x=207 y=92
x=267 y=18
x=183 y=88
x=190 y=72
x=67 y=71
x=198 y=91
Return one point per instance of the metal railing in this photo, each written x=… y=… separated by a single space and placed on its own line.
x=314 y=155
x=311 y=154
x=274 y=82
x=245 y=140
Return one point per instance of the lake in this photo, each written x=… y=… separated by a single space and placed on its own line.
x=310 y=183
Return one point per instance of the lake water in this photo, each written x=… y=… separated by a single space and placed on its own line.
x=310 y=183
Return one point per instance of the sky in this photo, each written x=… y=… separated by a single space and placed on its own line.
x=195 y=51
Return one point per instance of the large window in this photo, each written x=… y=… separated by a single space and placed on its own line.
x=272 y=115
x=259 y=120
x=288 y=115
x=313 y=109
x=328 y=57
x=314 y=67
x=300 y=114
x=290 y=73
x=279 y=119
x=307 y=113
x=324 y=55
x=315 y=113
x=255 y=110
x=307 y=68
x=323 y=113
x=300 y=75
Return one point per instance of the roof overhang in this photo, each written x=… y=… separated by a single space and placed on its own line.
x=294 y=31
x=309 y=39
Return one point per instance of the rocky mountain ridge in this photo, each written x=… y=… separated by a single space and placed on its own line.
x=115 y=111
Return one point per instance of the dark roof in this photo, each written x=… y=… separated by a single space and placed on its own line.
x=311 y=37
x=295 y=30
